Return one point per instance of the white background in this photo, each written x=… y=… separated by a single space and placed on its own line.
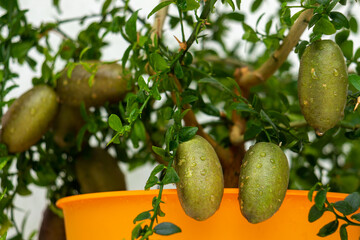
x=43 y=11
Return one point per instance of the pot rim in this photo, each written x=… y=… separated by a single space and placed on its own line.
x=130 y=193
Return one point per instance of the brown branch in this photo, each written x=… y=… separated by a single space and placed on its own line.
x=190 y=120
x=158 y=25
x=280 y=55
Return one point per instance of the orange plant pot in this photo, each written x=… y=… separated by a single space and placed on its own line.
x=109 y=216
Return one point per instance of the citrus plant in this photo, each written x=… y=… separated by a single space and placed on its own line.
x=182 y=91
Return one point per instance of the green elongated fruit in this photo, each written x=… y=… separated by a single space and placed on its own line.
x=109 y=85
x=52 y=226
x=264 y=178
x=66 y=125
x=201 y=185
x=323 y=84
x=98 y=171
x=28 y=118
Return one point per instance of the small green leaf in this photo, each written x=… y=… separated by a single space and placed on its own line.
x=80 y=137
x=166 y=228
x=343 y=232
x=347 y=48
x=238 y=3
x=266 y=118
x=342 y=36
x=339 y=20
x=159 y=6
x=125 y=57
x=314 y=214
x=189 y=99
x=139 y=130
x=130 y=27
x=353 y=25
x=314 y=20
x=142 y=216
x=105 y=6
x=136 y=232
x=142 y=84
x=343 y=207
x=320 y=199
x=256 y=4
x=115 y=123
x=187 y=133
x=159 y=151
x=242 y=107
x=83 y=52
x=356 y=217
x=191 y=5
x=231 y=3
x=170 y=176
x=155 y=93
x=152 y=181
x=158 y=62
x=324 y=26
x=353 y=200
x=218 y=85
x=178 y=70
x=328 y=229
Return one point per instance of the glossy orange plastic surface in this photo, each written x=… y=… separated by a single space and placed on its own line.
x=110 y=215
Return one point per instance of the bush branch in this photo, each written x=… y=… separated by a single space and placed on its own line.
x=159 y=21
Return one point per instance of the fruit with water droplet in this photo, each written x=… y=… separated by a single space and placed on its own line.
x=327 y=92
x=98 y=171
x=259 y=205
x=28 y=118
x=202 y=191
x=109 y=85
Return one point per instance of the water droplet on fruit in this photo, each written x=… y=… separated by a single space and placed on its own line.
x=259 y=165
x=313 y=73
x=193 y=164
x=272 y=161
x=181 y=161
x=305 y=102
x=244 y=164
x=202 y=158
x=263 y=154
x=188 y=173
x=335 y=93
x=257 y=185
x=247 y=177
x=271 y=190
x=324 y=85
x=335 y=72
x=279 y=200
x=311 y=100
x=212 y=198
x=260 y=193
x=193 y=158
x=251 y=153
x=203 y=172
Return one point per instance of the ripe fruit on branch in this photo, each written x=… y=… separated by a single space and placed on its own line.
x=201 y=185
x=264 y=178
x=323 y=84
x=28 y=118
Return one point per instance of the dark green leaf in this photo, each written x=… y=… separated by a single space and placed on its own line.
x=354 y=200
x=324 y=26
x=136 y=232
x=178 y=70
x=152 y=181
x=142 y=216
x=187 y=133
x=343 y=207
x=115 y=123
x=342 y=36
x=158 y=151
x=343 y=232
x=189 y=99
x=256 y=4
x=105 y=6
x=170 y=176
x=238 y=2
x=158 y=62
x=142 y=84
x=353 y=24
x=231 y=3
x=139 y=130
x=80 y=137
x=266 y=118
x=191 y=5
x=166 y=113
x=242 y=107
x=125 y=57
x=249 y=35
x=209 y=109
x=217 y=84
x=328 y=229
x=339 y=20
x=159 y=6
x=320 y=199
x=314 y=214
x=314 y=20
x=166 y=228
x=3 y=161
x=252 y=130
x=155 y=93
x=356 y=217
x=130 y=27
x=347 y=48
x=300 y=48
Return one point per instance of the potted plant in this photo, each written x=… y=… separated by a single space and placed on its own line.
x=193 y=104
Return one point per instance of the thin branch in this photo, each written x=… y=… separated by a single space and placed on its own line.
x=280 y=55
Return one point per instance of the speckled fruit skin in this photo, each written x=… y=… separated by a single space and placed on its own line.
x=264 y=178
x=201 y=185
x=109 y=86
x=322 y=85
x=97 y=171
x=28 y=118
